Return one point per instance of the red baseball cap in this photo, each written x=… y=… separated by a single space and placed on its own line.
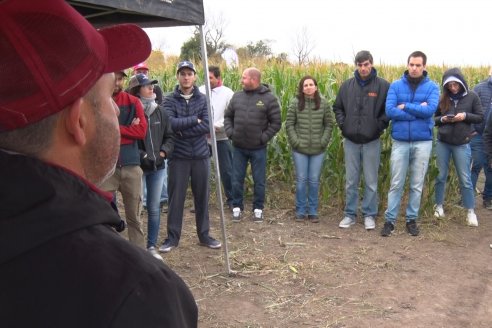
x=51 y=56
x=140 y=66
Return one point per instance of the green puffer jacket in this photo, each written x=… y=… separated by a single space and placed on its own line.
x=309 y=131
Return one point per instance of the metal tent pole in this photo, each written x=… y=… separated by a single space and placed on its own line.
x=214 y=149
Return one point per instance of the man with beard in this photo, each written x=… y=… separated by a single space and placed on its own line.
x=127 y=178
x=62 y=263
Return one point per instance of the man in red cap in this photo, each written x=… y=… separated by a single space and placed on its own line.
x=62 y=263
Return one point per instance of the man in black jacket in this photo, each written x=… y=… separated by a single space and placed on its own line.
x=251 y=120
x=359 y=111
x=62 y=263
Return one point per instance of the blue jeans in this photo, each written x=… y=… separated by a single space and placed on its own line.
x=413 y=156
x=479 y=162
x=153 y=185
x=361 y=158
x=224 y=152
x=462 y=161
x=308 y=172
x=240 y=160
x=164 y=188
x=164 y=195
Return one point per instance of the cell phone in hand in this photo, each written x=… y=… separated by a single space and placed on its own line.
x=450 y=115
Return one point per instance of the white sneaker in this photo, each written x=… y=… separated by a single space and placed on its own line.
x=152 y=250
x=369 y=223
x=236 y=214
x=258 y=215
x=439 y=211
x=471 y=219
x=346 y=222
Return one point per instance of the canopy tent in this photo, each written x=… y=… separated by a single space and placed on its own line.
x=160 y=13
x=145 y=13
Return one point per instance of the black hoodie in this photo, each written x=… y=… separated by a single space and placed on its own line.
x=458 y=133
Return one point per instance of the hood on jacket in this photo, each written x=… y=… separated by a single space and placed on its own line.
x=263 y=88
x=455 y=75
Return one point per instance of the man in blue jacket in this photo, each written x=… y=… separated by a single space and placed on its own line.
x=410 y=105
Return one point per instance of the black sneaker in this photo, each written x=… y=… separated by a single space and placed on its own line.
x=166 y=246
x=211 y=243
x=300 y=218
x=313 y=218
x=388 y=229
x=487 y=203
x=412 y=228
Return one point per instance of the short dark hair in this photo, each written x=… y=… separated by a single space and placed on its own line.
x=418 y=54
x=362 y=56
x=215 y=70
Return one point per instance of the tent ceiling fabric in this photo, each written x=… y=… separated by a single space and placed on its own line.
x=145 y=13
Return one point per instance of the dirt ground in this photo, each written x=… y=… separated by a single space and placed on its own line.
x=290 y=274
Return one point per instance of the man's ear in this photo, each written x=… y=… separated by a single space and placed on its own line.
x=75 y=120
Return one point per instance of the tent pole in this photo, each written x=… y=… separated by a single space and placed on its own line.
x=214 y=149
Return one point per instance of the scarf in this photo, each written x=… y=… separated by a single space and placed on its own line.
x=362 y=82
x=414 y=81
x=149 y=104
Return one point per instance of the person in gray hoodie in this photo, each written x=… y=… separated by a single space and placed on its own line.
x=458 y=109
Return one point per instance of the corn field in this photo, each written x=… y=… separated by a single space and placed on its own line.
x=283 y=78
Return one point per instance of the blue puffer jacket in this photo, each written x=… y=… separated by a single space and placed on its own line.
x=414 y=122
x=191 y=136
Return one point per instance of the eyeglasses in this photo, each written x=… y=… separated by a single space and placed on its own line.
x=452 y=85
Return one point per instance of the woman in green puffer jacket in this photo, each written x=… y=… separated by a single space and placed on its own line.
x=309 y=123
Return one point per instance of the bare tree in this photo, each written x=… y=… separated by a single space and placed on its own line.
x=303 y=45
x=214 y=33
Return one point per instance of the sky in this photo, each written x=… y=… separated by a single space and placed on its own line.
x=450 y=32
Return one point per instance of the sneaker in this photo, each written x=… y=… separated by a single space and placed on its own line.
x=471 y=219
x=164 y=206
x=369 y=223
x=236 y=214
x=152 y=250
x=313 y=218
x=412 y=228
x=300 y=217
x=439 y=211
x=388 y=229
x=211 y=243
x=346 y=222
x=166 y=246
x=258 y=215
x=487 y=204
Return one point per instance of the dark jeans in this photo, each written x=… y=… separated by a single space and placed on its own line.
x=479 y=162
x=224 y=152
x=180 y=173
x=240 y=160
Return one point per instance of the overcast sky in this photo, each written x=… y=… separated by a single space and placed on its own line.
x=451 y=32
